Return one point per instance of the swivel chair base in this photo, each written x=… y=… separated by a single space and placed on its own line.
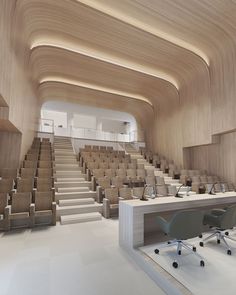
x=220 y=236
x=180 y=244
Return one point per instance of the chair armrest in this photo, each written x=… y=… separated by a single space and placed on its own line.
x=93 y=183
x=99 y=194
x=106 y=208
x=7 y=211
x=162 y=223
x=32 y=215
x=121 y=199
x=32 y=209
x=54 y=213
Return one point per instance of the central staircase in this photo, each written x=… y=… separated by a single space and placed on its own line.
x=75 y=200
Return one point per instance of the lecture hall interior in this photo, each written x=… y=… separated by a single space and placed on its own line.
x=117 y=147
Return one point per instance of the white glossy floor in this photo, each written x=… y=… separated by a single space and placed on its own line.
x=218 y=275
x=78 y=259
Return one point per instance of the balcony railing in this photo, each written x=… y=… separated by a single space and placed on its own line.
x=46 y=125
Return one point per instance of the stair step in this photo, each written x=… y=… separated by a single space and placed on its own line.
x=65 y=180
x=66 y=161
x=65 y=174
x=67 y=167
x=77 y=218
x=77 y=209
x=67 y=184
x=74 y=189
x=75 y=195
x=74 y=202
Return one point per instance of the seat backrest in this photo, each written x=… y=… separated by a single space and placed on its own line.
x=121 y=172
x=186 y=224
x=30 y=164
x=112 y=195
x=45 y=164
x=195 y=179
x=104 y=182
x=125 y=193
x=43 y=201
x=203 y=179
x=3 y=202
x=113 y=165
x=140 y=166
x=150 y=180
x=24 y=185
x=6 y=185
x=162 y=190
x=123 y=165
x=117 y=181
x=21 y=202
x=141 y=173
x=131 y=172
x=27 y=172
x=44 y=172
x=138 y=192
x=9 y=173
x=44 y=184
x=110 y=172
x=132 y=165
x=150 y=172
x=228 y=218
x=32 y=157
x=172 y=190
x=160 y=180
x=98 y=173
x=103 y=165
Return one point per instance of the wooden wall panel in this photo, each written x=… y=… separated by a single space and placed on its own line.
x=10 y=147
x=15 y=85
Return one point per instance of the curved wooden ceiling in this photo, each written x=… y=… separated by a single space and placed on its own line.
x=128 y=55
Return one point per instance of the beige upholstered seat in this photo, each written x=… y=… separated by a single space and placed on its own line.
x=103 y=183
x=140 y=166
x=137 y=192
x=103 y=165
x=131 y=174
x=44 y=172
x=123 y=165
x=160 y=180
x=150 y=172
x=44 y=206
x=125 y=193
x=141 y=174
x=20 y=211
x=27 y=172
x=3 y=205
x=162 y=190
x=30 y=164
x=45 y=164
x=172 y=191
x=110 y=173
x=32 y=157
x=121 y=173
x=25 y=185
x=110 y=202
x=113 y=165
x=6 y=185
x=117 y=181
x=132 y=165
x=9 y=173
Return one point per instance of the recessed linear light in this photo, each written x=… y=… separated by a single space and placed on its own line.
x=145 y=27
x=95 y=87
x=87 y=51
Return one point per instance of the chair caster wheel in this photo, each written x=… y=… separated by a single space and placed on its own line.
x=229 y=252
x=218 y=241
x=200 y=236
x=194 y=249
x=201 y=244
x=226 y=233
x=202 y=263
x=179 y=252
x=156 y=251
x=175 y=264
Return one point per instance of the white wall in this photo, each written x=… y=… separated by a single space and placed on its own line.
x=85 y=116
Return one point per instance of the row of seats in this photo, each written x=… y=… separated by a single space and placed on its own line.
x=27 y=194
x=97 y=147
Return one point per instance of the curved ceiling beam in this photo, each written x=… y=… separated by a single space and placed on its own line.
x=108 y=59
x=48 y=62
x=138 y=23
x=95 y=87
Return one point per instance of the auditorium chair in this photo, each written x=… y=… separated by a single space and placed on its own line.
x=103 y=165
x=45 y=208
x=141 y=174
x=30 y=164
x=150 y=172
x=140 y=166
x=9 y=173
x=125 y=193
x=3 y=205
x=118 y=181
x=44 y=172
x=32 y=157
x=132 y=166
x=110 y=173
x=123 y=165
x=162 y=190
x=27 y=173
x=6 y=185
x=172 y=190
x=45 y=157
x=102 y=184
x=45 y=164
x=97 y=173
x=160 y=180
x=113 y=165
x=138 y=192
x=110 y=202
x=45 y=185
x=121 y=173
x=20 y=212
x=24 y=185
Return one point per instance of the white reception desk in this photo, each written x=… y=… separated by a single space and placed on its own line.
x=132 y=213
